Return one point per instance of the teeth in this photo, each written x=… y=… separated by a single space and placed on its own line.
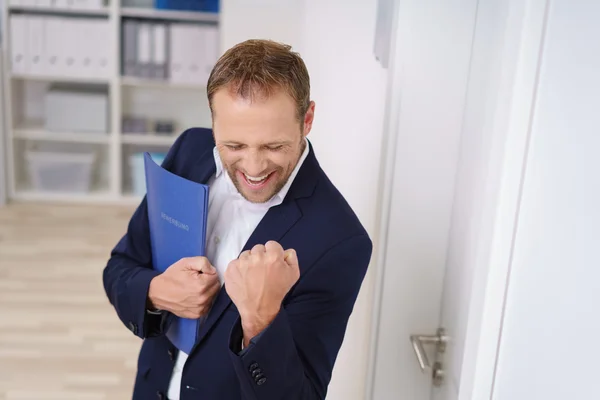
x=253 y=179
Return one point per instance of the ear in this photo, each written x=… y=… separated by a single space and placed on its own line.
x=309 y=118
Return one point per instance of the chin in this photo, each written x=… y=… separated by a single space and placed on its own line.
x=261 y=196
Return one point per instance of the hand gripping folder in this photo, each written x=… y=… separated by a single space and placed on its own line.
x=177 y=215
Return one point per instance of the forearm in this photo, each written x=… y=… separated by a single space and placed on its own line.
x=271 y=368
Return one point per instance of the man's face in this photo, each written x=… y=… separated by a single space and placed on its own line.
x=259 y=142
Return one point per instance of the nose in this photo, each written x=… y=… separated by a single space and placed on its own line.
x=255 y=163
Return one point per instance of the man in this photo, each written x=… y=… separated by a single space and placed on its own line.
x=286 y=256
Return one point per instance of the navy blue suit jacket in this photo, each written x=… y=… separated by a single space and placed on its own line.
x=293 y=358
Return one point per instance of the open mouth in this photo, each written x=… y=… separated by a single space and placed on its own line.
x=256 y=182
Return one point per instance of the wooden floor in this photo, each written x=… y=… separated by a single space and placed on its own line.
x=59 y=336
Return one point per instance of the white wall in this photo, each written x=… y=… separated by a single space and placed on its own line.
x=335 y=38
x=548 y=347
x=348 y=86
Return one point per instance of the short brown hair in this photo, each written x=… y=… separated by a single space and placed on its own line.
x=258 y=68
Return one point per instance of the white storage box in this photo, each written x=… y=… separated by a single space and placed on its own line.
x=60 y=170
x=76 y=109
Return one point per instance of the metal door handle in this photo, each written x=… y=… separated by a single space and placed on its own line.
x=418 y=341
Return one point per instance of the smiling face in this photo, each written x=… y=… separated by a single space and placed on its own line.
x=259 y=140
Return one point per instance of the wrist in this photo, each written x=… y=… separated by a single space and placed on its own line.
x=154 y=290
x=253 y=324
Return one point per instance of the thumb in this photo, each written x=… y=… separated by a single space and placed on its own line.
x=290 y=257
x=202 y=265
x=209 y=269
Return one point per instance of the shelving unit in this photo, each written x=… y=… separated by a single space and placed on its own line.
x=150 y=83
x=151 y=139
x=36 y=131
x=140 y=12
x=103 y=11
x=49 y=78
x=186 y=103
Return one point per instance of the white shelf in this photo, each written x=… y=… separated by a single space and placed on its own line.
x=148 y=139
x=191 y=16
x=37 y=132
x=94 y=196
x=159 y=84
x=62 y=10
x=57 y=78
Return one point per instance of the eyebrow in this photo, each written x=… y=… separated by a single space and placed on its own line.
x=270 y=144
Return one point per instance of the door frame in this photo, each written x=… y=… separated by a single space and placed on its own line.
x=508 y=121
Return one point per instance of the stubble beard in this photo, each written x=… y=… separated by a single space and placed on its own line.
x=279 y=184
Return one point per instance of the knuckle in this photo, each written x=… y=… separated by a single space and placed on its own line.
x=273 y=245
x=258 y=247
x=198 y=263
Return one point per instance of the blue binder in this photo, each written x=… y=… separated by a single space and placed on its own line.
x=177 y=215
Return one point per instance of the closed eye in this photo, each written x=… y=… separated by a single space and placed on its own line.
x=234 y=147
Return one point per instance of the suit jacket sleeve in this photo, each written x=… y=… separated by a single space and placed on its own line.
x=129 y=271
x=294 y=356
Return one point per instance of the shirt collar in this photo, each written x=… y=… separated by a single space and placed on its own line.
x=278 y=198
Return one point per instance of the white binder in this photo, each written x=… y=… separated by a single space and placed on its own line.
x=196 y=54
x=144 y=50
x=67 y=46
x=100 y=41
x=61 y=3
x=52 y=39
x=178 y=47
x=80 y=49
x=211 y=51
x=19 y=55
x=36 y=44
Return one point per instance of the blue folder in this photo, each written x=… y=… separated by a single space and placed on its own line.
x=177 y=215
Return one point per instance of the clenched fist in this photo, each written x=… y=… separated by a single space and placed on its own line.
x=186 y=288
x=258 y=281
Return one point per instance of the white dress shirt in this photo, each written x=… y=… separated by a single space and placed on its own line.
x=231 y=221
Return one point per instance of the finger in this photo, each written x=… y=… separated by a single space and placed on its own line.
x=207 y=280
x=273 y=247
x=258 y=249
x=201 y=264
x=290 y=257
x=244 y=255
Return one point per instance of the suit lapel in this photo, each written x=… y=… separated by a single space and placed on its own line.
x=204 y=168
x=274 y=225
